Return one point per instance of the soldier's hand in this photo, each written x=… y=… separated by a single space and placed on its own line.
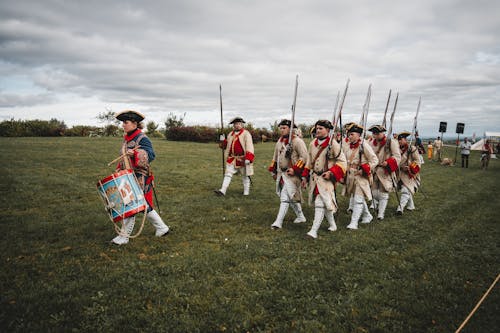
x=326 y=175
x=290 y=172
x=275 y=176
x=247 y=162
x=130 y=152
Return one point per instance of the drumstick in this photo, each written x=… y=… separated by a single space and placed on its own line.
x=121 y=156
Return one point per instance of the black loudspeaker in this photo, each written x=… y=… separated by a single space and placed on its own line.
x=460 y=128
x=442 y=126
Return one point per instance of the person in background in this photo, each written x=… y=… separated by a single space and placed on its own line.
x=239 y=156
x=486 y=152
x=438 y=145
x=420 y=147
x=139 y=159
x=465 y=152
x=429 y=150
x=287 y=167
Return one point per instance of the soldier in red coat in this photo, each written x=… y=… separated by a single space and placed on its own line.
x=239 y=155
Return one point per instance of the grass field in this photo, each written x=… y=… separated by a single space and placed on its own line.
x=222 y=269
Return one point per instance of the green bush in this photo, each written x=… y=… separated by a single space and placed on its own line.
x=17 y=128
x=192 y=133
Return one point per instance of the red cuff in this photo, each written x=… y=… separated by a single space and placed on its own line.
x=392 y=164
x=249 y=156
x=134 y=159
x=305 y=173
x=337 y=172
x=272 y=167
x=366 y=169
x=414 y=168
x=298 y=168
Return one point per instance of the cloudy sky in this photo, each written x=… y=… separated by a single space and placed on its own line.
x=73 y=60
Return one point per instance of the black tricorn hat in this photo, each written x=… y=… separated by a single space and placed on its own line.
x=324 y=122
x=403 y=134
x=355 y=128
x=377 y=129
x=286 y=122
x=130 y=115
x=237 y=120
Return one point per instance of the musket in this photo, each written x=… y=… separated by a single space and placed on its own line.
x=364 y=118
x=414 y=129
x=334 y=116
x=222 y=129
x=388 y=146
x=339 y=115
x=332 y=131
x=386 y=107
x=389 y=132
x=289 y=149
x=335 y=108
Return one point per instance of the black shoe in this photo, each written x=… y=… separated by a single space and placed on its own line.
x=219 y=193
x=399 y=212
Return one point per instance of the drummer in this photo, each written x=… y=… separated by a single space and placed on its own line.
x=139 y=153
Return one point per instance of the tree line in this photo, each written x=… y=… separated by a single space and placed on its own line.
x=175 y=129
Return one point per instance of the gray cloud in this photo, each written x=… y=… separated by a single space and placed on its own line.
x=170 y=56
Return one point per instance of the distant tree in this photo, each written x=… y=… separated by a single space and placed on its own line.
x=305 y=129
x=173 y=122
x=152 y=129
x=108 y=117
x=112 y=127
x=275 y=130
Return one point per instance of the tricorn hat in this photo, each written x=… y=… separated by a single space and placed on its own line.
x=237 y=120
x=324 y=122
x=286 y=122
x=375 y=129
x=403 y=134
x=355 y=128
x=130 y=115
x=347 y=125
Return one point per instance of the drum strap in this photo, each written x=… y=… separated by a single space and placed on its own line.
x=126 y=158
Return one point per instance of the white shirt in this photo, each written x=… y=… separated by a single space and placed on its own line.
x=465 y=146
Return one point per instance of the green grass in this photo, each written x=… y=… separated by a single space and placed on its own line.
x=222 y=268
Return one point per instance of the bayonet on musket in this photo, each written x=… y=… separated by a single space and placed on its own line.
x=388 y=147
x=389 y=132
x=339 y=115
x=386 y=107
x=364 y=115
x=290 y=135
x=414 y=129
